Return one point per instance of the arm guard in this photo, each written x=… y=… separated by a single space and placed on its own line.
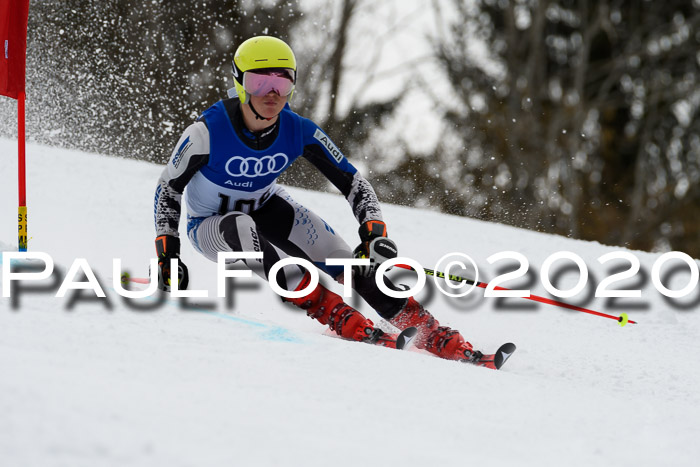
x=191 y=153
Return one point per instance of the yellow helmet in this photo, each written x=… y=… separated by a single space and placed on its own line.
x=261 y=52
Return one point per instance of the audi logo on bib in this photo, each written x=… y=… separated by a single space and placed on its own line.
x=253 y=167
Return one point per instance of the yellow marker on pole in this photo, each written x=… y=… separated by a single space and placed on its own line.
x=22 y=236
x=623 y=319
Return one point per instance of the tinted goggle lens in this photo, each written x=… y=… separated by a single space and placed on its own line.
x=260 y=84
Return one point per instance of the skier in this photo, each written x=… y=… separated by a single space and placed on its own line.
x=230 y=159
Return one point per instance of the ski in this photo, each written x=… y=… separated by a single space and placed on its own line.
x=384 y=339
x=497 y=360
x=405 y=338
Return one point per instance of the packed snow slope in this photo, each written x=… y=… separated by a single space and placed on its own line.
x=248 y=380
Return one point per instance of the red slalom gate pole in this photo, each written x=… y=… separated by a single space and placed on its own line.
x=622 y=319
x=22 y=235
x=13 y=57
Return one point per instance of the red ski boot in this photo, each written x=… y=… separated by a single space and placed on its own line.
x=449 y=344
x=439 y=340
x=329 y=308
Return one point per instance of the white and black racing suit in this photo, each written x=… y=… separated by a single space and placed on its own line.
x=228 y=176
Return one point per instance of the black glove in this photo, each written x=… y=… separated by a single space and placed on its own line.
x=167 y=248
x=375 y=246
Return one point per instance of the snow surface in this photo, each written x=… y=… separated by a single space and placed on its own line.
x=250 y=381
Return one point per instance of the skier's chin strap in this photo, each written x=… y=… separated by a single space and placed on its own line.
x=255 y=112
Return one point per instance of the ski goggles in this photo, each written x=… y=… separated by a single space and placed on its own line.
x=262 y=82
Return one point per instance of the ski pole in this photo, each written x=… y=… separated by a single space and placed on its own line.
x=622 y=319
x=126 y=278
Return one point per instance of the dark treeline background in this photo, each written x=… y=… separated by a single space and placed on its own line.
x=581 y=118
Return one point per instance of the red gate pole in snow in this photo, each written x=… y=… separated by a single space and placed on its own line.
x=13 y=54
x=22 y=234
